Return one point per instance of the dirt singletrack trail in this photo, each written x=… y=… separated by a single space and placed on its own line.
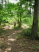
x=15 y=44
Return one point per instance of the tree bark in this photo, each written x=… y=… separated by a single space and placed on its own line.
x=34 y=33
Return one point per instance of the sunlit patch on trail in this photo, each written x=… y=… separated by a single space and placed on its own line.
x=7 y=27
x=20 y=51
x=11 y=39
x=14 y=33
x=8 y=43
x=25 y=26
x=8 y=49
x=0 y=50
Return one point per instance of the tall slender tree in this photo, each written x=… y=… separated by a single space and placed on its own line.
x=2 y=2
x=34 y=32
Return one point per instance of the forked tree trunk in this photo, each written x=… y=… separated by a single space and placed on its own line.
x=34 y=32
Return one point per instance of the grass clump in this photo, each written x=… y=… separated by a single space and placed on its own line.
x=35 y=47
x=2 y=45
x=28 y=20
x=26 y=32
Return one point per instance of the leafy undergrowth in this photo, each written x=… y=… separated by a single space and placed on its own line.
x=2 y=43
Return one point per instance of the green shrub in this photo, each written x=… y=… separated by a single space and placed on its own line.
x=28 y=21
x=2 y=45
x=26 y=32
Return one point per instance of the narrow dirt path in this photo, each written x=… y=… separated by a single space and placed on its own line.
x=11 y=41
x=16 y=44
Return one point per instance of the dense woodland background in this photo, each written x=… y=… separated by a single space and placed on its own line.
x=23 y=15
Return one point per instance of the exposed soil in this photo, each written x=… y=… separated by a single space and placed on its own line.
x=15 y=44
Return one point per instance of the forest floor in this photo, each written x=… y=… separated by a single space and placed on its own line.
x=12 y=42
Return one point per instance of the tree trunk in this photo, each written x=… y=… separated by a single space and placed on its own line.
x=30 y=8
x=20 y=21
x=34 y=33
x=5 y=3
x=2 y=3
x=38 y=9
